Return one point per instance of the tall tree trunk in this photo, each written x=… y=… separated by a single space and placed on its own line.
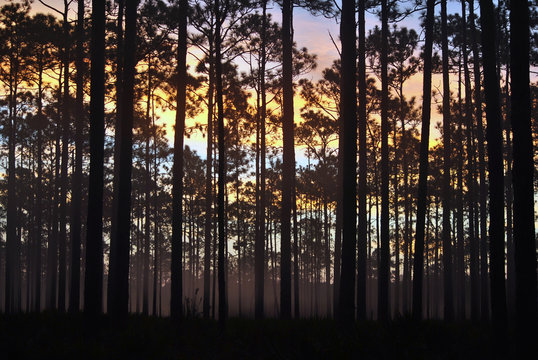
x=296 y=258
x=460 y=248
x=338 y=225
x=62 y=239
x=418 y=264
x=363 y=169
x=522 y=176
x=214 y=292
x=484 y=284
x=117 y=141
x=446 y=193
x=208 y=184
x=147 y=197
x=76 y=197
x=119 y=264
x=327 y=251
x=384 y=266
x=348 y=110
x=52 y=251
x=93 y=285
x=473 y=241
x=509 y=193
x=39 y=193
x=495 y=165
x=12 y=242
x=259 y=248
x=396 y=292
x=156 y=282
x=223 y=306
x=288 y=159
x=176 y=305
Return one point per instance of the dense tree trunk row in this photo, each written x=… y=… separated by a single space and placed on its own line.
x=246 y=229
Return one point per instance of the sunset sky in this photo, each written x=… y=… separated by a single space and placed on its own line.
x=312 y=32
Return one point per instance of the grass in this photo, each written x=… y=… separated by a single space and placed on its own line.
x=64 y=336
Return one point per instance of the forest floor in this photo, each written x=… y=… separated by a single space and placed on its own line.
x=62 y=336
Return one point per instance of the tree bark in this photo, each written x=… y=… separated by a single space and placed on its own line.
x=259 y=248
x=495 y=166
x=288 y=159
x=348 y=110
x=484 y=284
x=223 y=306
x=418 y=273
x=93 y=285
x=471 y=149
x=208 y=184
x=119 y=264
x=75 y=226
x=176 y=299
x=363 y=168
x=446 y=193
x=147 y=196
x=522 y=175
x=117 y=141
x=383 y=311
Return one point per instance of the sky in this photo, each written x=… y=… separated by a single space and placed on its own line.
x=314 y=33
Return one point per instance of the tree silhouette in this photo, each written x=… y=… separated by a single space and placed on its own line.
x=119 y=262
x=349 y=123
x=522 y=176
x=423 y=171
x=176 y=306
x=446 y=196
x=93 y=284
x=383 y=312
x=76 y=225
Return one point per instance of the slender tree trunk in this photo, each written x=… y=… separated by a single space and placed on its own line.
x=495 y=167
x=156 y=283
x=117 y=144
x=62 y=239
x=418 y=264
x=93 y=284
x=383 y=311
x=296 y=258
x=52 y=251
x=288 y=159
x=484 y=284
x=263 y=203
x=460 y=236
x=473 y=241
x=396 y=292
x=223 y=306
x=119 y=264
x=348 y=110
x=363 y=169
x=509 y=193
x=176 y=299
x=214 y=292
x=12 y=256
x=76 y=197
x=446 y=194
x=338 y=225
x=147 y=195
x=259 y=248
x=39 y=193
x=238 y=241
x=522 y=175
x=327 y=251
x=208 y=185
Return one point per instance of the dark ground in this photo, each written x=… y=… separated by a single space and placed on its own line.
x=61 y=336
